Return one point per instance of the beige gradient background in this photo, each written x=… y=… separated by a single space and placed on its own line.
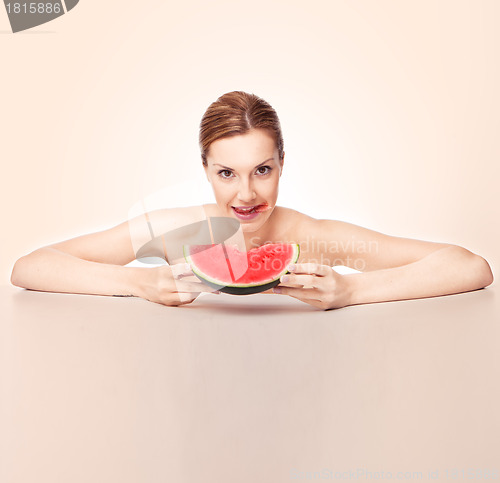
x=389 y=112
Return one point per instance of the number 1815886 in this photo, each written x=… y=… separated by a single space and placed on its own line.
x=33 y=8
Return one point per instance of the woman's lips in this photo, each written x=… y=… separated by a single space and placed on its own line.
x=261 y=207
x=256 y=209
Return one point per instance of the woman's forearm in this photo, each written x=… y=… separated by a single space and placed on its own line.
x=446 y=271
x=51 y=270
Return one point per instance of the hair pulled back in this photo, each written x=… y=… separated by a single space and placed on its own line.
x=235 y=113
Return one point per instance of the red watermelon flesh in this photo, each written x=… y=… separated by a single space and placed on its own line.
x=233 y=271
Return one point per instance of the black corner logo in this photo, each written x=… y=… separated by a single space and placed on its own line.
x=26 y=15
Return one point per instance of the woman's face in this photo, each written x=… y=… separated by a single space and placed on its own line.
x=244 y=171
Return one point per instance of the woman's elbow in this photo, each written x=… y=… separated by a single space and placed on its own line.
x=479 y=269
x=485 y=273
x=16 y=277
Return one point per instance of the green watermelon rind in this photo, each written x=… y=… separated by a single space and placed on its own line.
x=241 y=289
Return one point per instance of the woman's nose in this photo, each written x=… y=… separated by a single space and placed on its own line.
x=246 y=192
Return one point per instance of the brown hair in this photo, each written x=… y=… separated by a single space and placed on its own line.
x=236 y=113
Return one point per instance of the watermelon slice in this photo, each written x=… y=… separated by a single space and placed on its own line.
x=225 y=268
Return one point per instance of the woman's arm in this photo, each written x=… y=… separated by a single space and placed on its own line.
x=392 y=268
x=50 y=270
x=93 y=263
x=445 y=271
x=88 y=264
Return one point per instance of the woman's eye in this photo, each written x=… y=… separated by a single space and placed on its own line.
x=226 y=174
x=221 y=173
x=266 y=168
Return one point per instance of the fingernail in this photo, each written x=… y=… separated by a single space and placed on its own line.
x=291 y=268
x=285 y=278
x=277 y=290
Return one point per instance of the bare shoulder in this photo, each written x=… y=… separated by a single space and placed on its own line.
x=211 y=209
x=155 y=223
x=121 y=244
x=366 y=249
x=294 y=221
x=335 y=242
x=166 y=219
x=291 y=225
x=285 y=214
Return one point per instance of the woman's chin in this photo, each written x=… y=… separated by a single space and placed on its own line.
x=249 y=227
x=253 y=224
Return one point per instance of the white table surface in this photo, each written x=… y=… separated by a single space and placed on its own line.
x=261 y=388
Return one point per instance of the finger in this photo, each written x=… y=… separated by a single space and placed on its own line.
x=311 y=268
x=184 y=298
x=304 y=295
x=181 y=270
x=297 y=292
x=174 y=298
x=199 y=283
x=299 y=280
x=185 y=286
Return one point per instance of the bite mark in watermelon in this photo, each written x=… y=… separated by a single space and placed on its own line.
x=229 y=270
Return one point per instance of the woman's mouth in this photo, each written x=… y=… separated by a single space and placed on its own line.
x=249 y=212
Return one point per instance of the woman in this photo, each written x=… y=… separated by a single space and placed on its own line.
x=243 y=157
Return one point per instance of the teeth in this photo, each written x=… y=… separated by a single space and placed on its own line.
x=245 y=209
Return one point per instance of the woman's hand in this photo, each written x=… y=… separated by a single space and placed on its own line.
x=316 y=284
x=170 y=285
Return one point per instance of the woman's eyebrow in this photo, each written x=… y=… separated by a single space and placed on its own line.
x=225 y=167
